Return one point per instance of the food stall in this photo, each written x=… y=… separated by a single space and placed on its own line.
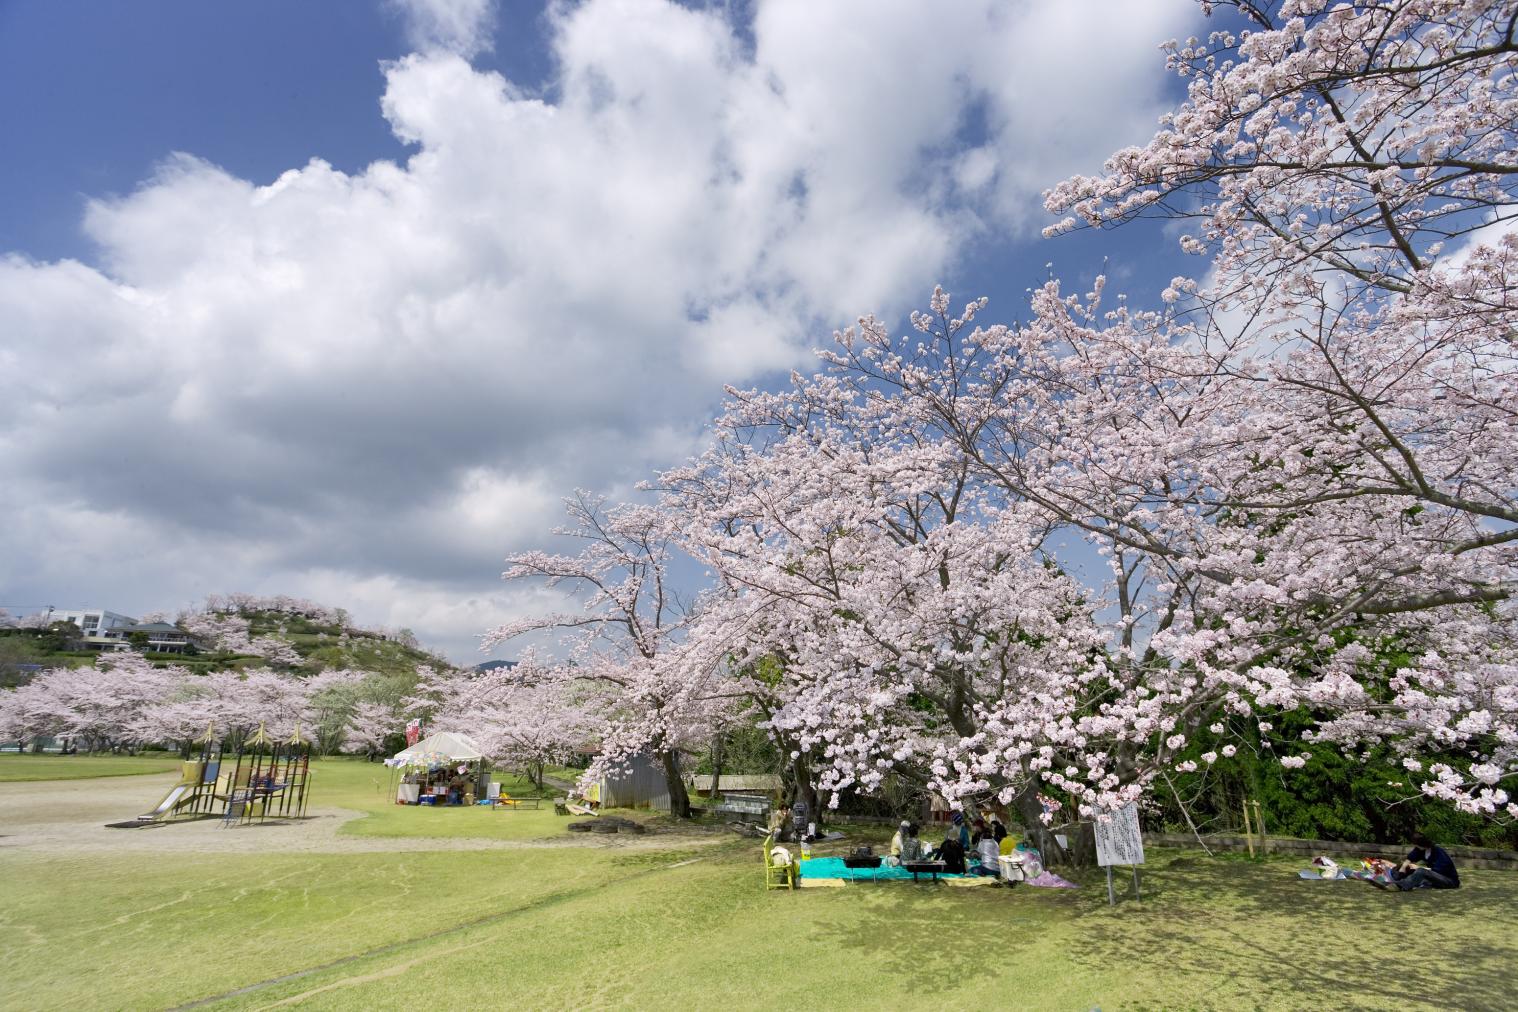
x=445 y=768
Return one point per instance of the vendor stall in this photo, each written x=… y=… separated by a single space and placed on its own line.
x=444 y=769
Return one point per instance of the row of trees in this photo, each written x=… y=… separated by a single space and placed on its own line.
x=1037 y=564
x=129 y=700
x=250 y=674
x=126 y=701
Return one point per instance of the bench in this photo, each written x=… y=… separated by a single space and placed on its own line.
x=507 y=802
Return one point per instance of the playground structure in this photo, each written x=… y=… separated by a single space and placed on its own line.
x=263 y=779
x=270 y=780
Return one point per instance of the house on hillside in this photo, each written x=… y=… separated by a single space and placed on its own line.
x=102 y=629
x=161 y=638
x=109 y=630
x=95 y=622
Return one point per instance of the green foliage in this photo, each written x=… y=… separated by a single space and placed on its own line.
x=1335 y=796
x=61 y=636
x=16 y=651
x=746 y=749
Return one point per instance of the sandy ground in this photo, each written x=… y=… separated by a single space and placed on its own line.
x=70 y=816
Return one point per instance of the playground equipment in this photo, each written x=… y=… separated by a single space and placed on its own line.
x=266 y=779
x=269 y=779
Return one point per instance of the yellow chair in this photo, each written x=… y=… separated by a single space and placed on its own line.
x=777 y=876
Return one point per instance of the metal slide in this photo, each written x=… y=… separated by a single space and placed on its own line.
x=178 y=795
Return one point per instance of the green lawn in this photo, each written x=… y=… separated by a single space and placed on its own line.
x=14 y=767
x=682 y=921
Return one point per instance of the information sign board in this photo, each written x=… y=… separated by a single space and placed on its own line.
x=1118 y=840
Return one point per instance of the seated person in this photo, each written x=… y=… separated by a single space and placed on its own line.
x=1007 y=844
x=998 y=831
x=898 y=842
x=1437 y=870
x=989 y=851
x=979 y=831
x=952 y=853
x=911 y=847
x=961 y=831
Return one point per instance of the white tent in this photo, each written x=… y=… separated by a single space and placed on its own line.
x=443 y=747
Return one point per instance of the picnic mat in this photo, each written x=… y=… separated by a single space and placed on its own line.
x=834 y=868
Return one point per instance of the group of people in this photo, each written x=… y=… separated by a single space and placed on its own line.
x=985 y=841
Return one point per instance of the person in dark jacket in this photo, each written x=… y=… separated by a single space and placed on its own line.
x=952 y=853
x=911 y=848
x=979 y=830
x=1427 y=866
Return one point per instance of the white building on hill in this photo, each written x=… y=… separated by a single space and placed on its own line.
x=109 y=630
x=102 y=629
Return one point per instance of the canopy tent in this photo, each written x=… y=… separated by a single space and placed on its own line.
x=437 y=749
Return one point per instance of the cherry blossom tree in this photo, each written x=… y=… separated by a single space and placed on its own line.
x=102 y=707
x=908 y=619
x=521 y=717
x=371 y=725
x=31 y=711
x=1351 y=171
x=623 y=638
x=231 y=633
x=280 y=604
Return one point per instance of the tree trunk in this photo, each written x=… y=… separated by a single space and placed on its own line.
x=802 y=789
x=716 y=765
x=1081 y=851
x=679 y=801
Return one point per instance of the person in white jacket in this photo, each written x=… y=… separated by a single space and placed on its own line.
x=989 y=853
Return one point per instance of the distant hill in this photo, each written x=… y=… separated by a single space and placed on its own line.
x=495 y=665
x=335 y=646
x=320 y=644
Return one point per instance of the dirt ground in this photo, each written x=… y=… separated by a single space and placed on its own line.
x=71 y=816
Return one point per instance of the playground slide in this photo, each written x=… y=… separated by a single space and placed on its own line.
x=180 y=794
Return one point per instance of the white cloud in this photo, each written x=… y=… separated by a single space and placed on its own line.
x=373 y=385
x=455 y=26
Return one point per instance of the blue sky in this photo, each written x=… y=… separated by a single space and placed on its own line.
x=534 y=244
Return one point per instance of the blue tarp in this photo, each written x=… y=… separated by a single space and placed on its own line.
x=833 y=867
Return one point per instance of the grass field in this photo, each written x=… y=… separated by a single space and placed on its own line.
x=16 y=768
x=410 y=908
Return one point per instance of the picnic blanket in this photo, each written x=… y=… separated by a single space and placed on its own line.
x=833 y=867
